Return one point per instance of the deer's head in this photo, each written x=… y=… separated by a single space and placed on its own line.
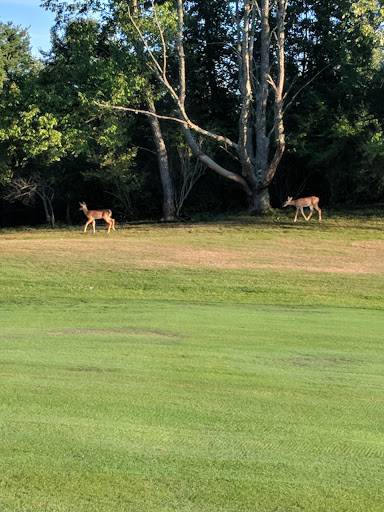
x=287 y=202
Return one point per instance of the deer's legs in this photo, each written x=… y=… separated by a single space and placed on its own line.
x=311 y=212
x=87 y=224
x=109 y=221
x=111 y=224
x=302 y=213
x=313 y=209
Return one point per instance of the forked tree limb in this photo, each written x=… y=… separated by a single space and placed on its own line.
x=191 y=142
x=161 y=71
x=185 y=122
x=196 y=150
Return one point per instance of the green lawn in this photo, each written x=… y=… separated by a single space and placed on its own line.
x=196 y=380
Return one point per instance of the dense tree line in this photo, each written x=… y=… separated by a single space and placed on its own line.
x=164 y=109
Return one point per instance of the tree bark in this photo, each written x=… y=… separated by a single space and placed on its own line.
x=260 y=202
x=214 y=166
x=264 y=169
x=246 y=152
x=253 y=147
x=48 y=209
x=169 y=207
x=278 y=88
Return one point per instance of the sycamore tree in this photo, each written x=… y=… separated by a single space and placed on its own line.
x=345 y=44
x=312 y=43
x=256 y=37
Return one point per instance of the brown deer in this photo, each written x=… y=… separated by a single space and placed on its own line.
x=93 y=215
x=312 y=202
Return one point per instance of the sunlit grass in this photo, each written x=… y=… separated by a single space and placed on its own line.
x=131 y=385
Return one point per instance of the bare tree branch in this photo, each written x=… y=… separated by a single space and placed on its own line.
x=305 y=85
x=21 y=189
x=161 y=73
x=185 y=122
x=140 y=111
x=162 y=38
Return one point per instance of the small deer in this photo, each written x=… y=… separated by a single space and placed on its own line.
x=312 y=202
x=93 y=215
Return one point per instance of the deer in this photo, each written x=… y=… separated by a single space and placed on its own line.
x=312 y=202
x=93 y=215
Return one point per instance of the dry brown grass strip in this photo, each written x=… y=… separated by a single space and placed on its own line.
x=202 y=250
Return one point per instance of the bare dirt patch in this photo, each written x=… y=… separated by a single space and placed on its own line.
x=198 y=249
x=327 y=256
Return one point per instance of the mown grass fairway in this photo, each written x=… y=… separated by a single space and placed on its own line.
x=216 y=367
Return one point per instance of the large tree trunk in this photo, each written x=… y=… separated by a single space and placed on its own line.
x=266 y=168
x=169 y=207
x=258 y=166
x=260 y=202
x=262 y=93
x=255 y=83
x=278 y=87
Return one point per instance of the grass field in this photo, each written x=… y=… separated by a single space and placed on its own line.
x=229 y=366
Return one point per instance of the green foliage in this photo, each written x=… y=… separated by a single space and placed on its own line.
x=15 y=57
x=20 y=123
x=120 y=179
x=368 y=16
x=337 y=114
x=50 y=124
x=34 y=136
x=91 y=68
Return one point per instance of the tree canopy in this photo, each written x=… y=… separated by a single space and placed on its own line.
x=272 y=98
